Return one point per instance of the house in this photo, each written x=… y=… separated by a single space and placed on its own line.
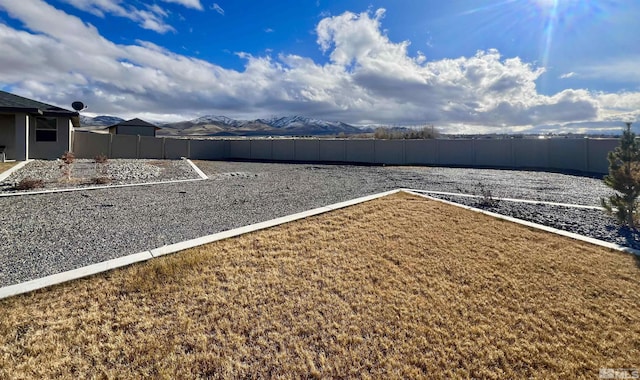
x=32 y=129
x=134 y=127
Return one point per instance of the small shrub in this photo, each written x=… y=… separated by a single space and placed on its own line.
x=101 y=165
x=67 y=164
x=486 y=197
x=29 y=184
x=101 y=180
x=101 y=159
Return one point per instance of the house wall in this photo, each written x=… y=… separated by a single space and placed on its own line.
x=585 y=155
x=8 y=135
x=50 y=150
x=135 y=131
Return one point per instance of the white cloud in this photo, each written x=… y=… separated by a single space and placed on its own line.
x=269 y=30
x=368 y=79
x=568 y=75
x=620 y=69
x=152 y=18
x=195 y=4
x=217 y=8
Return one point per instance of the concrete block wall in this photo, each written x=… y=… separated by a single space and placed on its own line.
x=361 y=151
x=306 y=150
x=421 y=152
x=176 y=148
x=333 y=150
x=530 y=153
x=283 y=149
x=208 y=149
x=150 y=147
x=123 y=146
x=585 y=155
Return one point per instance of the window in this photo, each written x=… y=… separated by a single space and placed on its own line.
x=46 y=129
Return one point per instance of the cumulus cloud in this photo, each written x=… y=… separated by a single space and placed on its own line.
x=217 y=8
x=368 y=79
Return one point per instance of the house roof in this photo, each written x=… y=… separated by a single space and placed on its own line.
x=14 y=103
x=134 y=123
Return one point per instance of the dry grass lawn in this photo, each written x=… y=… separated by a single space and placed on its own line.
x=399 y=287
x=4 y=166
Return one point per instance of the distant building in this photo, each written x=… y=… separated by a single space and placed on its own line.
x=134 y=127
x=32 y=129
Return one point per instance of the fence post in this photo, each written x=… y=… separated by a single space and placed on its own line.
x=138 y=148
x=188 y=148
x=404 y=151
x=586 y=154
x=110 y=150
x=513 y=155
x=164 y=153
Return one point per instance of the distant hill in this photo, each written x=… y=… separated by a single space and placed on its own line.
x=99 y=121
x=278 y=126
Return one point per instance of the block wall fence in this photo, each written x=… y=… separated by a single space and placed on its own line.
x=583 y=155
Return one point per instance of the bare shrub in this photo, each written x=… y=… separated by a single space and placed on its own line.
x=486 y=197
x=101 y=159
x=67 y=164
x=102 y=168
x=101 y=180
x=29 y=184
x=385 y=133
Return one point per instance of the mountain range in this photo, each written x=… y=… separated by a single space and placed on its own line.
x=212 y=125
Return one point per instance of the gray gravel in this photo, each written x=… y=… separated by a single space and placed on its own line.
x=49 y=233
x=84 y=171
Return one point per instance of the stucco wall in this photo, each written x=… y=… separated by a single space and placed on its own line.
x=8 y=135
x=50 y=149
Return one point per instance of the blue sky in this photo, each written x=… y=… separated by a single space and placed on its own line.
x=466 y=66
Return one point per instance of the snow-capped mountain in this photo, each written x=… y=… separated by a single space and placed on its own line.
x=211 y=119
x=99 y=121
x=212 y=125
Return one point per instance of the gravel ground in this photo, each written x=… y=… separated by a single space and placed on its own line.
x=84 y=172
x=49 y=233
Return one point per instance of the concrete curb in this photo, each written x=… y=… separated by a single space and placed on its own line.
x=196 y=168
x=74 y=274
x=97 y=187
x=4 y=175
x=556 y=231
x=508 y=199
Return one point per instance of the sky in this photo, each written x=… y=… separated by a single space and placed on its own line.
x=464 y=66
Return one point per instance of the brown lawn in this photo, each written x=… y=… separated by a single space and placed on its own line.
x=399 y=287
x=4 y=166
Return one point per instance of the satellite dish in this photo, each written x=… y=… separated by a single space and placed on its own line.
x=78 y=106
